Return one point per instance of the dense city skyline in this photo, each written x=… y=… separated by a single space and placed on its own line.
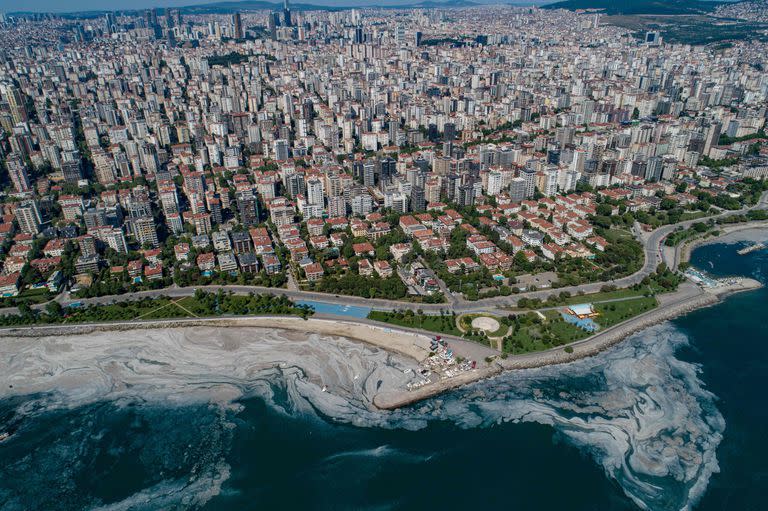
x=441 y=154
x=493 y=204
x=55 y=6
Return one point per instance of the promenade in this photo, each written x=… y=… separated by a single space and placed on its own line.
x=415 y=343
x=653 y=248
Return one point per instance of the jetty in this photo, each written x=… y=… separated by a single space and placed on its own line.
x=752 y=248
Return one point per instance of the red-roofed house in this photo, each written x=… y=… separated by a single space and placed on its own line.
x=314 y=272
x=9 y=284
x=362 y=249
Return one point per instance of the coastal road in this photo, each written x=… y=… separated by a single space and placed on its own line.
x=653 y=249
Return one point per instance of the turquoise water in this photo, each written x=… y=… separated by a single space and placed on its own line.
x=671 y=418
x=587 y=324
x=352 y=311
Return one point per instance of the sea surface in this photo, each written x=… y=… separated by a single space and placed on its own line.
x=673 y=418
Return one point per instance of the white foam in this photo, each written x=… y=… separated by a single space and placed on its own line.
x=190 y=493
x=641 y=413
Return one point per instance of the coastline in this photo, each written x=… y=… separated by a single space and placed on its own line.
x=409 y=344
x=415 y=344
x=674 y=305
x=683 y=254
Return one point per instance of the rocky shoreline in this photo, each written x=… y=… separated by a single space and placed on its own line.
x=670 y=309
x=687 y=248
x=415 y=345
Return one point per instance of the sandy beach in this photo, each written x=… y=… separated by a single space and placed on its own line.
x=253 y=335
x=266 y=339
x=208 y=363
x=408 y=342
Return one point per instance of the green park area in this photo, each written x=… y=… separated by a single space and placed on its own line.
x=469 y=325
x=612 y=313
x=29 y=296
x=201 y=304
x=524 y=332
x=441 y=324
x=531 y=332
x=663 y=280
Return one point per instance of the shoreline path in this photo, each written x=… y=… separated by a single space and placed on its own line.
x=414 y=343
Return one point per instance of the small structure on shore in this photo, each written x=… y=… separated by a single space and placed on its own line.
x=582 y=316
x=440 y=365
x=486 y=324
x=582 y=311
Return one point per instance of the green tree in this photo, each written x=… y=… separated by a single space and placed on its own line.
x=54 y=309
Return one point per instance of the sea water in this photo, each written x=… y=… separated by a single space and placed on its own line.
x=672 y=418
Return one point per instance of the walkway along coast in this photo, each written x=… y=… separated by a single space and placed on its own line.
x=418 y=345
x=688 y=298
x=415 y=343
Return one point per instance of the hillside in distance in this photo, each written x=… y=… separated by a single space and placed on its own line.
x=232 y=6
x=629 y=7
x=253 y=5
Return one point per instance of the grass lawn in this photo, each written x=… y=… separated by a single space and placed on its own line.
x=603 y=296
x=590 y=298
x=524 y=340
x=167 y=311
x=191 y=304
x=188 y=307
x=564 y=331
x=438 y=324
x=531 y=334
x=200 y=305
x=693 y=215
x=531 y=337
x=618 y=235
x=125 y=311
x=616 y=312
x=28 y=296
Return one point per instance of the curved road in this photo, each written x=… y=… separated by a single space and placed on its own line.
x=652 y=246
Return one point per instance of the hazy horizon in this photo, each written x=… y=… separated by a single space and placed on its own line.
x=56 y=6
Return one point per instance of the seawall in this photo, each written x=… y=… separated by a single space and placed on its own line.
x=687 y=247
x=416 y=345
x=689 y=299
